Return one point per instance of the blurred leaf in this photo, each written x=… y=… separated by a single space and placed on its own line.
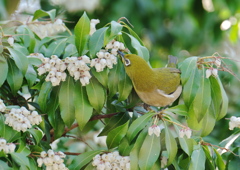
x=202 y=98
x=114 y=75
x=141 y=50
x=4 y=165
x=96 y=41
x=70 y=50
x=20 y=59
x=134 y=34
x=56 y=47
x=234 y=33
x=198 y=158
x=81 y=31
x=124 y=147
x=33 y=164
x=171 y=145
x=83 y=109
x=66 y=101
x=219 y=161
x=36 y=134
x=209 y=159
x=138 y=125
x=124 y=85
x=181 y=110
x=134 y=154
x=20 y=158
x=14 y=77
x=187 y=145
x=149 y=152
x=31 y=75
x=115 y=136
x=96 y=94
x=114 y=122
x=83 y=159
x=41 y=13
x=44 y=95
x=34 y=61
x=226 y=143
x=102 y=76
x=208 y=122
x=3 y=69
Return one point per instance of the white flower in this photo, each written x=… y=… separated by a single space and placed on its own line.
x=234 y=122
x=154 y=129
x=2 y=106
x=185 y=131
x=10 y=41
x=217 y=62
x=11 y=147
x=211 y=71
x=93 y=24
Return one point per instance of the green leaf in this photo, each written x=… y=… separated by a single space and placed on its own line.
x=208 y=122
x=133 y=33
x=134 y=154
x=209 y=159
x=14 y=77
x=198 y=159
x=186 y=68
x=96 y=41
x=181 y=110
x=102 y=76
x=66 y=101
x=141 y=50
x=202 y=98
x=44 y=95
x=70 y=50
x=81 y=31
x=96 y=94
x=36 y=134
x=138 y=125
x=115 y=29
x=124 y=85
x=171 y=145
x=114 y=75
x=115 y=136
x=83 y=109
x=31 y=75
x=56 y=47
x=114 y=122
x=20 y=59
x=4 y=166
x=124 y=147
x=149 y=152
x=20 y=158
x=41 y=13
x=3 y=69
x=219 y=161
x=83 y=159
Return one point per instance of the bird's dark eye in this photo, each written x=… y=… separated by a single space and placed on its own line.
x=127 y=62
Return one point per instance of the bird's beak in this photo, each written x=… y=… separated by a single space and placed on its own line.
x=122 y=55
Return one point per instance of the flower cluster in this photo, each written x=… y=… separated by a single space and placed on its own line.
x=22 y=119
x=185 y=131
x=234 y=122
x=52 y=160
x=46 y=29
x=2 y=106
x=107 y=57
x=154 y=129
x=6 y=147
x=111 y=161
x=55 y=68
x=78 y=68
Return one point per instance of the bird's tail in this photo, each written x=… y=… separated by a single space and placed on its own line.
x=172 y=61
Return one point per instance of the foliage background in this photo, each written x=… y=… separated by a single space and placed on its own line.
x=179 y=27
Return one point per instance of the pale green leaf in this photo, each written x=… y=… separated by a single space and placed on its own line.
x=198 y=159
x=3 y=69
x=41 y=13
x=56 y=47
x=44 y=95
x=101 y=76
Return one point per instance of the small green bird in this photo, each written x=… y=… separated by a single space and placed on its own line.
x=155 y=86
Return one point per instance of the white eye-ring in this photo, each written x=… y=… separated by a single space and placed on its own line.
x=127 y=62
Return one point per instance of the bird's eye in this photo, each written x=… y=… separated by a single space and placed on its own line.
x=127 y=62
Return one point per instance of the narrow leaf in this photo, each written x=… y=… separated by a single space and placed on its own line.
x=138 y=125
x=115 y=136
x=83 y=109
x=36 y=134
x=3 y=69
x=114 y=77
x=115 y=28
x=43 y=95
x=96 y=41
x=20 y=158
x=66 y=101
x=56 y=47
x=149 y=152
x=186 y=67
x=181 y=110
x=198 y=159
x=41 y=13
x=96 y=94
x=31 y=75
x=102 y=76
x=81 y=31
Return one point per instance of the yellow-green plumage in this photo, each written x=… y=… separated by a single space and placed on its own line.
x=156 y=87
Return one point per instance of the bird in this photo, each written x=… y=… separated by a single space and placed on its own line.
x=158 y=87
